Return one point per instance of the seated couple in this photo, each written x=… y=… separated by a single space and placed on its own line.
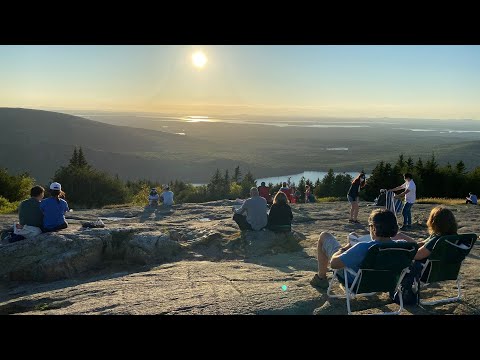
x=383 y=228
x=37 y=215
x=279 y=219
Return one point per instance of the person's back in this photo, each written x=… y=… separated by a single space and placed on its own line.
x=264 y=191
x=167 y=198
x=256 y=208
x=280 y=214
x=29 y=213
x=53 y=212
x=473 y=199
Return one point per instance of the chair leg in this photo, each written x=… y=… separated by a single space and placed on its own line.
x=447 y=300
x=330 y=286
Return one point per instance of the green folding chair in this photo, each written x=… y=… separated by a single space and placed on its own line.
x=382 y=270
x=444 y=263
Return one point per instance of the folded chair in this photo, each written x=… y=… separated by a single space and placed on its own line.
x=444 y=263
x=382 y=270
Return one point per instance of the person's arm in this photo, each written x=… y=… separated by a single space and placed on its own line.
x=402 y=236
x=398 y=188
x=21 y=214
x=242 y=208
x=402 y=194
x=291 y=214
x=422 y=253
x=336 y=262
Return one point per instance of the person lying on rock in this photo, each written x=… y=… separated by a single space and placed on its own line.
x=280 y=216
x=256 y=209
x=54 y=209
x=383 y=227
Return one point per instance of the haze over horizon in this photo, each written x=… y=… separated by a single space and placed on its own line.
x=421 y=81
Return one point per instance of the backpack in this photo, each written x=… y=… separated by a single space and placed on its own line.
x=410 y=286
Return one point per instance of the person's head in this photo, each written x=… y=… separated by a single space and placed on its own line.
x=360 y=178
x=383 y=224
x=153 y=191
x=407 y=176
x=166 y=188
x=37 y=192
x=56 y=190
x=280 y=198
x=253 y=192
x=263 y=183
x=441 y=222
x=284 y=184
x=469 y=194
x=307 y=187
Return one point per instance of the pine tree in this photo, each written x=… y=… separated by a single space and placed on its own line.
x=226 y=184
x=400 y=163
x=409 y=164
x=82 y=162
x=237 y=175
x=74 y=159
x=460 y=167
x=247 y=183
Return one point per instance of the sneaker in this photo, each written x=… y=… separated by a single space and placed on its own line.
x=319 y=283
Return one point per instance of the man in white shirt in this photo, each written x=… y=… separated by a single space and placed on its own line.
x=167 y=196
x=256 y=209
x=410 y=197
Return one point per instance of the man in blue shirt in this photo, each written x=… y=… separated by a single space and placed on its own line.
x=471 y=199
x=383 y=226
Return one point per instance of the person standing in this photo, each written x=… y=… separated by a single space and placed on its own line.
x=352 y=196
x=264 y=191
x=410 y=193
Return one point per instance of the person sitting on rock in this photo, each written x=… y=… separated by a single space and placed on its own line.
x=30 y=217
x=54 y=209
x=383 y=226
x=256 y=209
x=280 y=216
x=471 y=199
x=153 y=197
x=167 y=196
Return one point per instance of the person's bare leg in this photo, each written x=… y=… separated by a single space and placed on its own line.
x=356 y=208
x=322 y=257
x=352 y=211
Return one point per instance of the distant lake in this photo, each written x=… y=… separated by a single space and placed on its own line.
x=312 y=175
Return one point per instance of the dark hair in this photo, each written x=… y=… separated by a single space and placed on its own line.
x=263 y=183
x=408 y=175
x=36 y=191
x=284 y=184
x=384 y=222
x=280 y=198
x=441 y=222
x=58 y=194
x=357 y=179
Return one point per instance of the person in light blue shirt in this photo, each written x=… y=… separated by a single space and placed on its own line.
x=471 y=199
x=54 y=209
x=383 y=227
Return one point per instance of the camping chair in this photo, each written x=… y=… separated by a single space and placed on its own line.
x=382 y=270
x=445 y=261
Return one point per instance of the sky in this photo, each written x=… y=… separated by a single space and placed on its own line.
x=421 y=81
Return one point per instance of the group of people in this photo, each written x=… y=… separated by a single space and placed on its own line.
x=383 y=229
x=409 y=194
x=166 y=197
x=293 y=194
x=37 y=215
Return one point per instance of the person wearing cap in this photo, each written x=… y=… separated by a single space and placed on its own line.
x=54 y=209
x=167 y=196
x=153 y=197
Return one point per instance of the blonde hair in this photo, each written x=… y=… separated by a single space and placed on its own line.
x=280 y=198
x=441 y=222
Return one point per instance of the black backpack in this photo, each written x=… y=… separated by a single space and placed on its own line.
x=410 y=286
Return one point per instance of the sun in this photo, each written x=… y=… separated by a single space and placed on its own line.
x=199 y=59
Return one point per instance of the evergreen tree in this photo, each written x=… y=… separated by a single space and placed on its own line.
x=247 y=183
x=74 y=159
x=82 y=162
x=226 y=184
x=237 y=175
x=409 y=164
x=460 y=167
x=400 y=163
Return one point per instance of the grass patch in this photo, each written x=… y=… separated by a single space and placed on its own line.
x=7 y=207
x=442 y=201
x=329 y=199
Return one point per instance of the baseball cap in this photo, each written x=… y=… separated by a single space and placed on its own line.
x=55 y=186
